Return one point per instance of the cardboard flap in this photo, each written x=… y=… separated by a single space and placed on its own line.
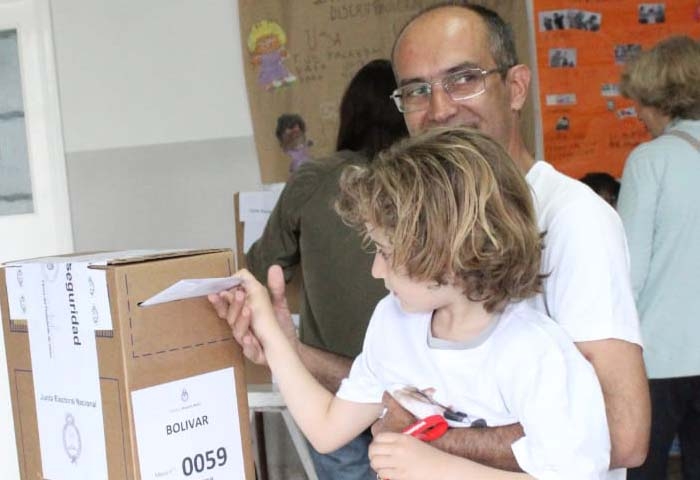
x=159 y=255
x=101 y=260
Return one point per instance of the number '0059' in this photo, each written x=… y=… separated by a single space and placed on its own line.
x=206 y=461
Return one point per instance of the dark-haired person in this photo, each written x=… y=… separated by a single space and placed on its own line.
x=658 y=203
x=604 y=184
x=339 y=294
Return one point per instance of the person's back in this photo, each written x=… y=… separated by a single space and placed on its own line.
x=658 y=205
x=666 y=280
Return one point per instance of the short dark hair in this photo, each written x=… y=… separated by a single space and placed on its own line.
x=501 y=39
x=369 y=120
x=287 y=121
x=602 y=182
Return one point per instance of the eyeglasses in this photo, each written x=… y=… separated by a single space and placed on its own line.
x=459 y=85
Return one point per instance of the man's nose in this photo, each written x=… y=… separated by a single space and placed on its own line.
x=441 y=107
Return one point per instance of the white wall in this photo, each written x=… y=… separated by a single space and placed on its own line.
x=156 y=87
x=138 y=81
x=141 y=73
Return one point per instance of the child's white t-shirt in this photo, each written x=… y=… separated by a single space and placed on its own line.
x=525 y=369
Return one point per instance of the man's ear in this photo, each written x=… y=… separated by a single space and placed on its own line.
x=518 y=80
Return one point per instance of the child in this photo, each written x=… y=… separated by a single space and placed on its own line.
x=457 y=246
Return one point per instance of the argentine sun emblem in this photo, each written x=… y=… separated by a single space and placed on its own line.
x=71 y=439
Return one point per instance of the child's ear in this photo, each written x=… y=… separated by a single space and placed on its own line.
x=518 y=81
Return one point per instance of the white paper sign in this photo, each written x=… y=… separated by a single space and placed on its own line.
x=66 y=377
x=94 y=300
x=16 y=295
x=256 y=205
x=192 y=287
x=189 y=429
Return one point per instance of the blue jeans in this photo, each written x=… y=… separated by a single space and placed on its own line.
x=675 y=409
x=347 y=463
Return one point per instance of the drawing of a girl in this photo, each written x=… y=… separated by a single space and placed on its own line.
x=266 y=44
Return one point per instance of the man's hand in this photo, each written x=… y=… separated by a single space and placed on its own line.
x=395 y=418
x=276 y=285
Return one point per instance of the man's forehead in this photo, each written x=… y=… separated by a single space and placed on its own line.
x=439 y=42
x=423 y=65
x=446 y=21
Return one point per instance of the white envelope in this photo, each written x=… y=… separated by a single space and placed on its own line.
x=192 y=287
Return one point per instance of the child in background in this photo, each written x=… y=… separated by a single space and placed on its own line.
x=457 y=246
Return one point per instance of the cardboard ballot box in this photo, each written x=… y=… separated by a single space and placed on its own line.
x=104 y=388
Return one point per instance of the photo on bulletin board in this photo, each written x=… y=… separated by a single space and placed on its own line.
x=582 y=48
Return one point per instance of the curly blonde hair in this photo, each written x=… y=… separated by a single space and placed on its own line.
x=455 y=208
x=666 y=77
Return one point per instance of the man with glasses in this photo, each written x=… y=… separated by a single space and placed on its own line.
x=456 y=65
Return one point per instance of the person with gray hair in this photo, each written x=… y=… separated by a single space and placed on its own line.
x=658 y=203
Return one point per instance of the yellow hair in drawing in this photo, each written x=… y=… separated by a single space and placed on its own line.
x=265 y=28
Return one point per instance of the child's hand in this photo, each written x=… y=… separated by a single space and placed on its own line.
x=397 y=456
x=230 y=306
x=236 y=306
x=257 y=299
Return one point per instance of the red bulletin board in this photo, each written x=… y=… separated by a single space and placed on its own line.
x=581 y=49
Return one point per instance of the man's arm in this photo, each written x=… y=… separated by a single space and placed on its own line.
x=590 y=295
x=489 y=446
x=402 y=457
x=619 y=366
x=328 y=368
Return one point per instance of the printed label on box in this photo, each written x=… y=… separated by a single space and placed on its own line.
x=94 y=303
x=65 y=371
x=189 y=429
